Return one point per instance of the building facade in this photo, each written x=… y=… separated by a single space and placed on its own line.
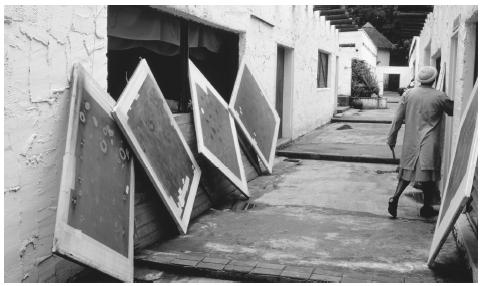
x=282 y=44
x=448 y=41
x=355 y=44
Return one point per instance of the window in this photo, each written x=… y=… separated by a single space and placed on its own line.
x=322 y=69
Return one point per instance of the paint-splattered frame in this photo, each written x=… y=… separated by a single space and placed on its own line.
x=120 y=113
x=239 y=180
x=70 y=242
x=268 y=162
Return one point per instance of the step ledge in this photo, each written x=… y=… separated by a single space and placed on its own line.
x=361 y=120
x=332 y=157
x=260 y=271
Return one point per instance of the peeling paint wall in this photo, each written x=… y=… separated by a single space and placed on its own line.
x=41 y=43
x=261 y=29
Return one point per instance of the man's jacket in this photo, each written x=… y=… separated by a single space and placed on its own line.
x=422 y=110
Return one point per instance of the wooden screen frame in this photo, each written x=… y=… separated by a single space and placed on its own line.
x=129 y=94
x=444 y=224
x=70 y=242
x=269 y=162
x=440 y=83
x=196 y=75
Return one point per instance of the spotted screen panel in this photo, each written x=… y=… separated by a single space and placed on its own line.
x=151 y=124
x=217 y=132
x=256 y=114
x=99 y=204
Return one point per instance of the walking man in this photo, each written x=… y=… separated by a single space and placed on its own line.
x=422 y=109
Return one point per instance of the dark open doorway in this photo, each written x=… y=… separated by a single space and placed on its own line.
x=393 y=83
x=280 y=85
x=167 y=42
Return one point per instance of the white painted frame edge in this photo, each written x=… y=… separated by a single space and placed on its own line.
x=462 y=195
x=129 y=94
x=268 y=162
x=439 y=85
x=71 y=242
x=196 y=76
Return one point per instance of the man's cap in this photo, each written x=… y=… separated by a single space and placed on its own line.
x=426 y=74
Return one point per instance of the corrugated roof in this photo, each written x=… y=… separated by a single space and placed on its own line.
x=378 y=39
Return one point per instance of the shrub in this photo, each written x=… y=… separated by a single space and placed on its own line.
x=363 y=80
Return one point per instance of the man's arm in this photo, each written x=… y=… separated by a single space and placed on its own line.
x=397 y=121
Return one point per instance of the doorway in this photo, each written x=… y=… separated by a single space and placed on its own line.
x=391 y=82
x=284 y=87
x=448 y=122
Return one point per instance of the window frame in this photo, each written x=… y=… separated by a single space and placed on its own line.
x=328 y=66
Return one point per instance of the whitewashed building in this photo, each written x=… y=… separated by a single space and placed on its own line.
x=448 y=41
x=292 y=51
x=354 y=44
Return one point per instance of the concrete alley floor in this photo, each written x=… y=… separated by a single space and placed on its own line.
x=318 y=220
x=353 y=141
x=349 y=139
x=325 y=214
x=393 y=99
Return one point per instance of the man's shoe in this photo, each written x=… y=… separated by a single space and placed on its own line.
x=392 y=207
x=428 y=212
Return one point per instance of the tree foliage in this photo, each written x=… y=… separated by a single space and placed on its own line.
x=363 y=80
x=383 y=18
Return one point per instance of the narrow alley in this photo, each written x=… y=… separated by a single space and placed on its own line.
x=240 y=143
x=315 y=220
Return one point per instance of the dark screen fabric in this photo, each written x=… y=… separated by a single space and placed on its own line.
x=99 y=203
x=322 y=70
x=171 y=164
x=218 y=135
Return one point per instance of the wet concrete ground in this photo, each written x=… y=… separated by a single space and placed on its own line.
x=327 y=214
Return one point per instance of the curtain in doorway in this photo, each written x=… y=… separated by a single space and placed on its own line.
x=133 y=27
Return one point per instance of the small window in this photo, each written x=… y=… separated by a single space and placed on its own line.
x=322 y=70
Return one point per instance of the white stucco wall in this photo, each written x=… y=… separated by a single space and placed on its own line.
x=296 y=27
x=438 y=31
x=346 y=54
x=436 y=34
x=383 y=57
x=42 y=43
x=364 y=49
